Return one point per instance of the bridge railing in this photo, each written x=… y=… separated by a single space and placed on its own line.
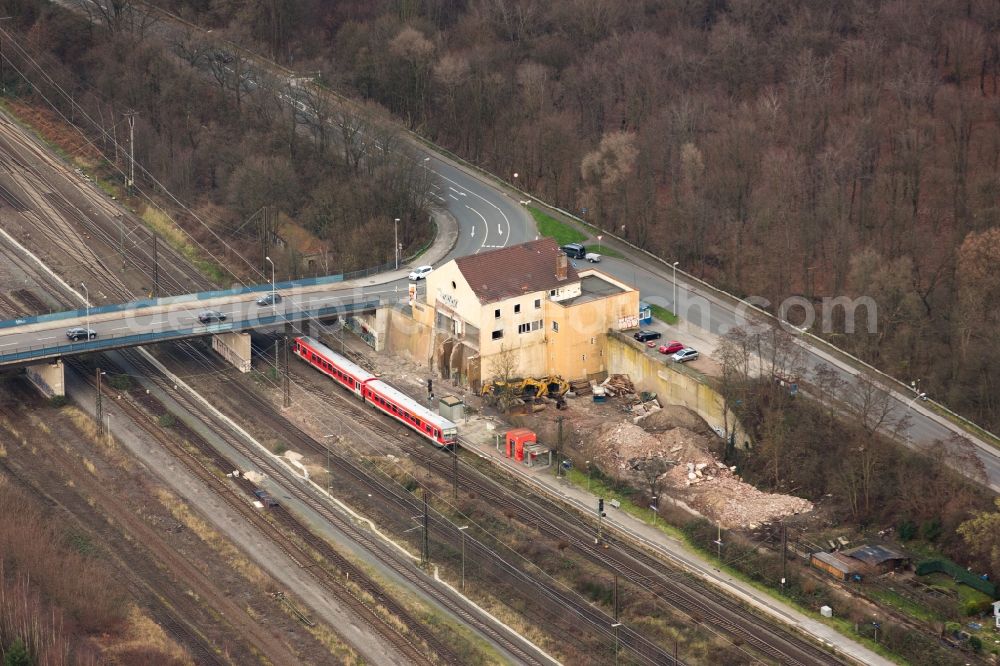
x=32 y=352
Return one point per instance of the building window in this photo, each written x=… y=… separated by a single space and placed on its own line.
x=536 y=325
x=555 y=327
x=523 y=328
x=498 y=334
x=583 y=357
x=552 y=292
x=453 y=285
x=496 y=313
x=592 y=340
x=517 y=308
x=538 y=303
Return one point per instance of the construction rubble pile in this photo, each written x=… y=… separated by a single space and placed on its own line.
x=692 y=474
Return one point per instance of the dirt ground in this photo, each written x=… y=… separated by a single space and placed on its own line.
x=187 y=586
x=674 y=438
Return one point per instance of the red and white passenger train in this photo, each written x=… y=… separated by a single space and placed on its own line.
x=374 y=391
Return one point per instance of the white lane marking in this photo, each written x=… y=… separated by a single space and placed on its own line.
x=473 y=231
x=453 y=189
x=453 y=197
x=8 y=344
x=499 y=229
x=51 y=337
x=120 y=328
x=479 y=196
x=486 y=225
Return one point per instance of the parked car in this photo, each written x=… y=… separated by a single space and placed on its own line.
x=78 y=333
x=208 y=316
x=420 y=272
x=685 y=355
x=671 y=347
x=270 y=298
x=646 y=335
x=574 y=250
x=593 y=257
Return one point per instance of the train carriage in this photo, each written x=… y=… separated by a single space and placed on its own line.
x=383 y=397
x=348 y=374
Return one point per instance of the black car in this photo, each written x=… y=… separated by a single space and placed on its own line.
x=574 y=250
x=646 y=336
x=77 y=334
x=270 y=298
x=208 y=316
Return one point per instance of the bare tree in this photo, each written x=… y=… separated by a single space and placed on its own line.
x=503 y=369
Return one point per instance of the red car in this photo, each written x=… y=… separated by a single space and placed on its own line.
x=671 y=347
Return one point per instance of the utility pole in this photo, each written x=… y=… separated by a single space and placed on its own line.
x=784 y=556
x=559 y=445
x=426 y=553
x=98 y=407
x=130 y=185
x=285 y=379
x=454 y=485
x=156 y=270
x=600 y=519
x=617 y=624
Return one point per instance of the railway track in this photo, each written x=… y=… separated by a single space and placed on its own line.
x=676 y=587
x=388 y=555
x=210 y=466
x=164 y=603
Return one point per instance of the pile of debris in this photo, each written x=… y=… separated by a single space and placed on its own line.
x=618 y=385
x=716 y=490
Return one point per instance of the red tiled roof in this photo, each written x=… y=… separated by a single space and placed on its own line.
x=516 y=270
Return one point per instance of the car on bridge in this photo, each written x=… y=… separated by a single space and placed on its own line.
x=420 y=272
x=270 y=298
x=79 y=333
x=208 y=316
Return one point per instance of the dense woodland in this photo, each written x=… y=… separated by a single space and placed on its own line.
x=778 y=148
x=212 y=146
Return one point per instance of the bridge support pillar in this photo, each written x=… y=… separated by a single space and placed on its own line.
x=48 y=377
x=235 y=348
x=381 y=328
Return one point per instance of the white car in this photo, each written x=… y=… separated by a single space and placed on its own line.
x=420 y=272
x=685 y=355
x=592 y=257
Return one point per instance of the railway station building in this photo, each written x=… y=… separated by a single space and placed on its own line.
x=529 y=304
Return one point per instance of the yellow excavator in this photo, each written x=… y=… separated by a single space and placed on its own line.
x=552 y=387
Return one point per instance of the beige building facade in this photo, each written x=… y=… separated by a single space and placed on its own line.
x=527 y=299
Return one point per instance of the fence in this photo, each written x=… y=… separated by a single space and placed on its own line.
x=959 y=574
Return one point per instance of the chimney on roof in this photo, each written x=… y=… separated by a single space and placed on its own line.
x=562 y=265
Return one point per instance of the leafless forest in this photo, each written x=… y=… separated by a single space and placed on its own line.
x=777 y=148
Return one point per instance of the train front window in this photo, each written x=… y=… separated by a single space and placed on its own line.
x=450 y=434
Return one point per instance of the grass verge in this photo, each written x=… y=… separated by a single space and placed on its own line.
x=161 y=224
x=664 y=314
x=842 y=625
x=553 y=228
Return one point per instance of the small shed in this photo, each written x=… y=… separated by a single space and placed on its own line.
x=837 y=565
x=645 y=314
x=451 y=408
x=516 y=440
x=880 y=558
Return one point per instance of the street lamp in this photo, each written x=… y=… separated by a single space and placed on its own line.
x=654 y=506
x=615 y=626
x=274 y=296
x=395 y=239
x=676 y=310
x=599 y=237
x=462 y=530
x=86 y=298
x=919 y=396
x=588 y=476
